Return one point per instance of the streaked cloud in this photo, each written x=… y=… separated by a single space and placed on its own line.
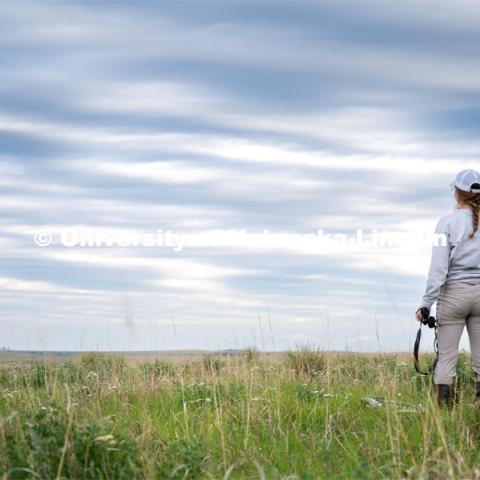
x=287 y=116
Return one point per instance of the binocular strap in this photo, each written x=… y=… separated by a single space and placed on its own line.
x=415 y=353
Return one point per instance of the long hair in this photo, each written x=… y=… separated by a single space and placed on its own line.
x=473 y=201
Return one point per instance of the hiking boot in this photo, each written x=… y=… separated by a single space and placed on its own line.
x=477 y=390
x=445 y=394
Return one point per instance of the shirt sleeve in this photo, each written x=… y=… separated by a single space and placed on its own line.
x=439 y=264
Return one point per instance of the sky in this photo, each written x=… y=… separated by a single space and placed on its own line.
x=282 y=117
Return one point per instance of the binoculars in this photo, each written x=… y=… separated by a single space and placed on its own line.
x=427 y=319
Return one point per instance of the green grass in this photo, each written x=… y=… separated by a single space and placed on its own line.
x=300 y=416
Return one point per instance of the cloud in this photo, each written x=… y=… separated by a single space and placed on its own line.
x=175 y=116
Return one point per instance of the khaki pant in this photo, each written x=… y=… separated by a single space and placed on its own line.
x=458 y=305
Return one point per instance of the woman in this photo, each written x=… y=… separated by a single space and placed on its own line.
x=454 y=283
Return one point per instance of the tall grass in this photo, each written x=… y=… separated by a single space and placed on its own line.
x=306 y=415
x=306 y=360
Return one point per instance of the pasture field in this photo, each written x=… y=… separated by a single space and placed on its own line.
x=299 y=415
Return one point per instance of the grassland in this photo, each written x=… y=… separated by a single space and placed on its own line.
x=301 y=415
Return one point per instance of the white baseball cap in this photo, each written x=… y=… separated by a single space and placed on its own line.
x=467 y=181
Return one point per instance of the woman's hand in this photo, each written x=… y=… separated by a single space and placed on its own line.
x=418 y=315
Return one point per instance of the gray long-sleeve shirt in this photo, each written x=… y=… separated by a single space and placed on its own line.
x=455 y=260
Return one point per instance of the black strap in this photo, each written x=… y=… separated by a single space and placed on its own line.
x=416 y=349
